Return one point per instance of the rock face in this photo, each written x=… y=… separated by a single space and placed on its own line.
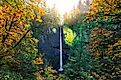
x=49 y=45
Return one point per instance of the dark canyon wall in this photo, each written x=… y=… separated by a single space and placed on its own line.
x=49 y=45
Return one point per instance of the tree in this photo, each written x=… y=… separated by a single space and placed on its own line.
x=104 y=9
x=50 y=20
x=15 y=18
x=15 y=37
x=104 y=23
x=72 y=17
x=79 y=62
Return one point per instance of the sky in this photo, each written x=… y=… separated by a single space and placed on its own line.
x=63 y=6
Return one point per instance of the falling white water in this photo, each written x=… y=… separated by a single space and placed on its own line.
x=61 y=61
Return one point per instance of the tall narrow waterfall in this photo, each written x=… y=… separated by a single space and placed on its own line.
x=61 y=60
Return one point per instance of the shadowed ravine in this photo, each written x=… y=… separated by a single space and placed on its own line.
x=50 y=46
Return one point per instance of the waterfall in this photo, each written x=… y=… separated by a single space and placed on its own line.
x=61 y=61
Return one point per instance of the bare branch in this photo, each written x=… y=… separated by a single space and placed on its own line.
x=21 y=39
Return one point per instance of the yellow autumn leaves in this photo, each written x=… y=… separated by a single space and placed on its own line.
x=38 y=61
x=103 y=7
x=69 y=35
x=15 y=17
x=117 y=51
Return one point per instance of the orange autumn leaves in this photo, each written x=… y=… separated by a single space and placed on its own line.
x=97 y=36
x=103 y=9
x=38 y=61
x=104 y=42
x=14 y=17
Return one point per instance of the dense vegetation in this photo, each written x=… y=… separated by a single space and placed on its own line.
x=95 y=53
x=93 y=38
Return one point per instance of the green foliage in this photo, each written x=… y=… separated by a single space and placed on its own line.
x=79 y=63
x=17 y=47
x=95 y=42
x=20 y=66
x=37 y=29
x=105 y=38
x=9 y=75
x=69 y=35
x=26 y=53
x=50 y=74
x=105 y=47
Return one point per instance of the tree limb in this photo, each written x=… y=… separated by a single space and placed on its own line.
x=108 y=2
x=21 y=39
